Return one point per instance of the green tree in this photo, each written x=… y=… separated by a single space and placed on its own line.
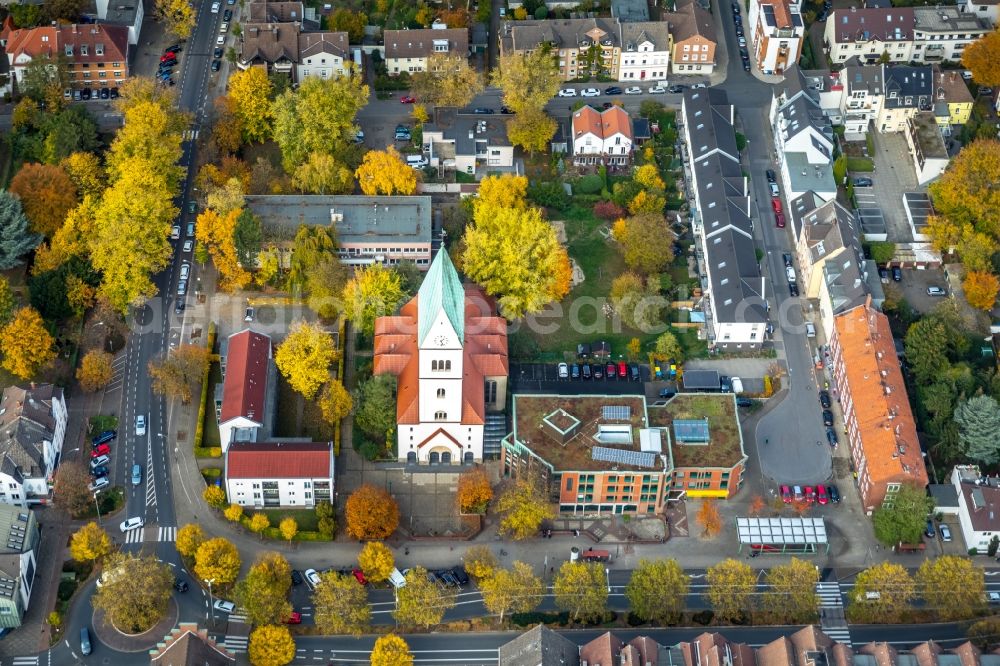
x=7 y=302
x=375 y=407
x=881 y=593
x=347 y=20
x=731 y=585
x=247 y=236
x=341 y=605
x=791 y=596
x=656 y=591
x=668 y=348
x=325 y=284
x=581 y=589
x=882 y=252
x=131 y=607
x=524 y=507
x=374 y=291
x=421 y=603
x=514 y=590
x=926 y=346
x=15 y=239
x=953 y=587
x=263 y=592
x=904 y=520
x=636 y=301
x=312 y=247
x=983 y=634
x=978 y=420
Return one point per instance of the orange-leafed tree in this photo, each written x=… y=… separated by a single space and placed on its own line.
x=709 y=518
x=474 y=491
x=757 y=505
x=982 y=57
x=371 y=513
x=966 y=193
x=47 y=194
x=216 y=233
x=981 y=289
x=385 y=172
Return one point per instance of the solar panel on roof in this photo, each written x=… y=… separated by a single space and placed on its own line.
x=616 y=412
x=623 y=457
x=691 y=430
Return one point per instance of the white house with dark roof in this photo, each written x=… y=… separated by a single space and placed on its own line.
x=984 y=9
x=408 y=50
x=19 y=539
x=978 y=506
x=734 y=300
x=323 y=54
x=32 y=430
x=279 y=473
x=941 y=33
x=803 y=139
x=470 y=143
x=775 y=34
x=245 y=404
x=645 y=52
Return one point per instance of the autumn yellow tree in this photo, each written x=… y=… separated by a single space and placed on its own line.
x=271 y=645
x=233 y=513
x=215 y=232
x=86 y=172
x=524 y=508
x=217 y=559
x=731 y=585
x=951 y=586
x=503 y=191
x=881 y=593
x=288 y=527
x=448 y=80
x=89 y=543
x=480 y=562
x=373 y=292
x=250 y=91
x=47 y=195
x=70 y=240
x=376 y=560
x=177 y=15
x=176 y=374
x=335 y=402
x=981 y=289
x=648 y=176
x=528 y=82
x=26 y=344
x=259 y=522
x=965 y=194
x=214 y=496
x=95 y=370
x=982 y=57
x=474 y=491
x=647 y=201
x=189 y=539
x=645 y=241
x=371 y=513
x=391 y=650
x=532 y=130
x=305 y=356
x=514 y=590
x=709 y=518
x=385 y=172
x=322 y=174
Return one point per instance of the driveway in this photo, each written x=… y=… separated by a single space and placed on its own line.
x=914 y=288
x=893 y=176
x=379 y=118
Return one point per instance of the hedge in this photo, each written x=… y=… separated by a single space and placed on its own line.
x=342 y=339
x=199 y=429
x=211 y=472
x=208 y=452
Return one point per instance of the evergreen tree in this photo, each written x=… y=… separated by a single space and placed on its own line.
x=15 y=240
x=978 y=420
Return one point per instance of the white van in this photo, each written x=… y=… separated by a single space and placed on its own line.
x=737 y=384
x=416 y=161
x=397 y=579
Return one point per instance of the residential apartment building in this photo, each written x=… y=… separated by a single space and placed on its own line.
x=18 y=562
x=627 y=52
x=881 y=431
x=694 y=38
x=126 y=15
x=809 y=646
x=32 y=431
x=906 y=91
x=867 y=33
x=885 y=97
x=978 y=508
x=285 y=48
x=734 y=289
x=324 y=54
x=602 y=137
x=941 y=33
x=984 y=9
x=408 y=50
x=775 y=32
x=96 y=55
x=448 y=351
x=593 y=454
x=377 y=229
x=803 y=139
x=279 y=474
x=469 y=143
x=953 y=101
x=927 y=149
x=245 y=404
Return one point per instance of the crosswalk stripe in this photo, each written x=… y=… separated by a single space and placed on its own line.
x=236 y=643
x=25 y=661
x=830 y=598
x=167 y=534
x=239 y=619
x=135 y=536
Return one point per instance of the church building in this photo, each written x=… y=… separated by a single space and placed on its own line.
x=448 y=350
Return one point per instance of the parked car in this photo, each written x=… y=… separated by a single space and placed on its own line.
x=98 y=484
x=810 y=494
x=787 y=258
x=99 y=471
x=182 y=286
x=185 y=270
x=658 y=89
x=634 y=373
x=359 y=576
x=675 y=89
x=786 y=494
x=744 y=402
x=883 y=274
x=612 y=90
x=936 y=291
x=945 y=533
x=102 y=450
x=609 y=370
x=188 y=246
x=834 y=494
x=567 y=92
x=824 y=399
x=104 y=437
x=699 y=86
x=585 y=371
x=574 y=371
x=218 y=52
x=460 y=575
x=131 y=524
x=779 y=220
x=633 y=90
x=598 y=371
x=222 y=605
x=175 y=232
x=929 y=529
x=725 y=384
x=296 y=577
x=793 y=288
x=897 y=274
x=797 y=493
x=622 y=369
x=821 y=496
x=216 y=65
x=590 y=92
x=99 y=461
x=312 y=578
x=863 y=182
x=563 y=371
x=831 y=436
x=667 y=393
x=775 y=192
x=293 y=618
x=223 y=27
x=790 y=273
x=483 y=111
x=216 y=7
x=248 y=314
x=776 y=205
x=827 y=417
x=227 y=15
x=407 y=99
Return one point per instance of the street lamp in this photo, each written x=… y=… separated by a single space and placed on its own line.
x=211 y=602
x=607 y=574
x=97 y=506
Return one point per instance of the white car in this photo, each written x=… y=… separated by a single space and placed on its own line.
x=140 y=425
x=224 y=606
x=215 y=7
x=98 y=461
x=131 y=524
x=590 y=92
x=699 y=86
x=790 y=273
x=657 y=90
x=634 y=90
x=175 y=232
x=567 y=92
x=188 y=246
x=220 y=40
x=312 y=578
x=223 y=28
x=774 y=189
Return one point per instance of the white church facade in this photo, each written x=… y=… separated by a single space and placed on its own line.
x=448 y=350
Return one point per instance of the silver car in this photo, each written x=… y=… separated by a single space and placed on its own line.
x=182 y=287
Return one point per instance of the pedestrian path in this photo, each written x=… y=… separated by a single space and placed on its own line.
x=236 y=643
x=831 y=611
x=165 y=534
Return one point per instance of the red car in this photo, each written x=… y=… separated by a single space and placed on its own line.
x=786 y=494
x=622 y=369
x=610 y=370
x=810 y=494
x=821 y=495
x=779 y=220
x=406 y=99
x=776 y=205
x=294 y=618
x=168 y=56
x=359 y=575
x=101 y=450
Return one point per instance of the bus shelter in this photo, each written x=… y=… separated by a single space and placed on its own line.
x=777 y=536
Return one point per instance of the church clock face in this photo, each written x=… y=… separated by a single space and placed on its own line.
x=441 y=340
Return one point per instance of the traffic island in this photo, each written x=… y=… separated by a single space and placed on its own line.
x=122 y=641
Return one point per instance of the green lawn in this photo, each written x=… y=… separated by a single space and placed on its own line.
x=306 y=518
x=312 y=427
x=860 y=164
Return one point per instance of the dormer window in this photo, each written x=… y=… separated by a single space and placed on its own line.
x=83 y=49
x=99 y=49
x=69 y=50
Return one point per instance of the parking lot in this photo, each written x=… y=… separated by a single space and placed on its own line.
x=544 y=378
x=913 y=288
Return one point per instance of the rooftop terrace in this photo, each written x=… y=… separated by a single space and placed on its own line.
x=725 y=445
